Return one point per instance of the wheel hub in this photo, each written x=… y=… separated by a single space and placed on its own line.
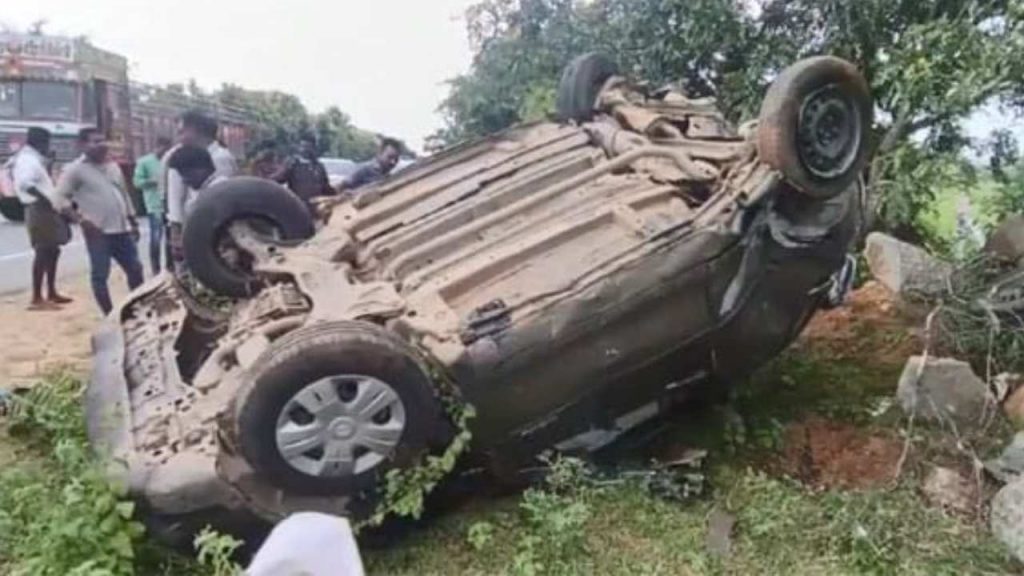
x=340 y=426
x=343 y=428
x=829 y=132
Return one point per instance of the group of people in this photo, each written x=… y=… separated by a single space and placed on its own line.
x=92 y=193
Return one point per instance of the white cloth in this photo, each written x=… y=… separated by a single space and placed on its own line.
x=179 y=196
x=309 y=544
x=100 y=193
x=28 y=170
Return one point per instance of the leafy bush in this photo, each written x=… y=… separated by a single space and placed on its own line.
x=62 y=517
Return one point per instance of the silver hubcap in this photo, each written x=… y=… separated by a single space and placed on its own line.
x=340 y=426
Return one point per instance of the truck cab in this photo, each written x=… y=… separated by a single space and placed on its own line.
x=63 y=85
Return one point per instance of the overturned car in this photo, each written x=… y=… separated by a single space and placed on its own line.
x=567 y=279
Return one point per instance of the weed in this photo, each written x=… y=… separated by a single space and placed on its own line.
x=62 y=516
x=555 y=517
x=480 y=535
x=406 y=490
x=214 y=552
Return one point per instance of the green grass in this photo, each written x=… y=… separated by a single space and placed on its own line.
x=782 y=528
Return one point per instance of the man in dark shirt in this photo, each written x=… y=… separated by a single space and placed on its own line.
x=376 y=169
x=303 y=173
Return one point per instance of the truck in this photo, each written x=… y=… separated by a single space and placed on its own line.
x=65 y=84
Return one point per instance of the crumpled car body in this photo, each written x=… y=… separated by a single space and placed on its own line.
x=567 y=280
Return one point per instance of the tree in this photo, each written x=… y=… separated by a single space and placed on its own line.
x=338 y=137
x=282 y=117
x=930 y=64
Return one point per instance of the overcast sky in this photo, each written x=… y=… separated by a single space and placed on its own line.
x=384 y=62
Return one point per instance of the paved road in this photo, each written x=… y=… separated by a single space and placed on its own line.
x=16 y=257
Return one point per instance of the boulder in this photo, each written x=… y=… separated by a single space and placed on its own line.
x=1009 y=466
x=905 y=269
x=1007 y=242
x=1007 y=517
x=1013 y=407
x=946 y=488
x=943 y=388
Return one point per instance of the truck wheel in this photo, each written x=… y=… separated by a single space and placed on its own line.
x=815 y=124
x=205 y=239
x=12 y=209
x=331 y=408
x=580 y=86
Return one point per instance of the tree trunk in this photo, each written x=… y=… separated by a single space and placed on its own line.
x=872 y=197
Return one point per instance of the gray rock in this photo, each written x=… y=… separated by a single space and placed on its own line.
x=1008 y=517
x=1007 y=242
x=944 y=388
x=905 y=269
x=946 y=488
x=719 y=534
x=1009 y=466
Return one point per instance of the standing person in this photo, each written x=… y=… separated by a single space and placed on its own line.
x=197 y=169
x=374 y=170
x=197 y=129
x=47 y=230
x=264 y=162
x=147 y=179
x=96 y=197
x=303 y=173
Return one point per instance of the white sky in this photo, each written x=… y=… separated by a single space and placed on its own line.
x=383 y=62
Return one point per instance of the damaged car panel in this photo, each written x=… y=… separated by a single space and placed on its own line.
x=562 y=278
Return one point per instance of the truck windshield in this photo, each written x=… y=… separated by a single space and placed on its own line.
x=48 y=101
x=10 y=100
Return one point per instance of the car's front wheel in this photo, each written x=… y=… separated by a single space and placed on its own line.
x=331 y=408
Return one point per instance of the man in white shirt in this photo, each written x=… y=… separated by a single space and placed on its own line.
x=47 y=231
x=197 y=129
x=93 y=193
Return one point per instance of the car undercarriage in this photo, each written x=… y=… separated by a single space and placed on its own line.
x=569 y=280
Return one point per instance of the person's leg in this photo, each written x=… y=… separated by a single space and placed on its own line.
x=156 y=234
x=51 y=278
x=98 y=248
x=38 y=271
x=126 y=253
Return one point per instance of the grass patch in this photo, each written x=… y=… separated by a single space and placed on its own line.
x=59 y=516
x=782 y=528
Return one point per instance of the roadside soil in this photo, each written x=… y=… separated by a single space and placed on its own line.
x=33 y=343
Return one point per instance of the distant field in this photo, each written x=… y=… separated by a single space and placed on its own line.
x=941 y=219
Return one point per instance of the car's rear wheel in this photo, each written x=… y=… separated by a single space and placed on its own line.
x=815 y=124
x=12 y=209
x=331 y=408
x=580 y=86
x=209 y=252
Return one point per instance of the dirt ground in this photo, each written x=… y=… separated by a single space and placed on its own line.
x=33 y=343
x=827 y=454
x=845 y=332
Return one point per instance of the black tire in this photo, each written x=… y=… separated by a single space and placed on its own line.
x=815 y=125
x=12 y=209
x=307 y=355
x=243 y=198
x=580 y=86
